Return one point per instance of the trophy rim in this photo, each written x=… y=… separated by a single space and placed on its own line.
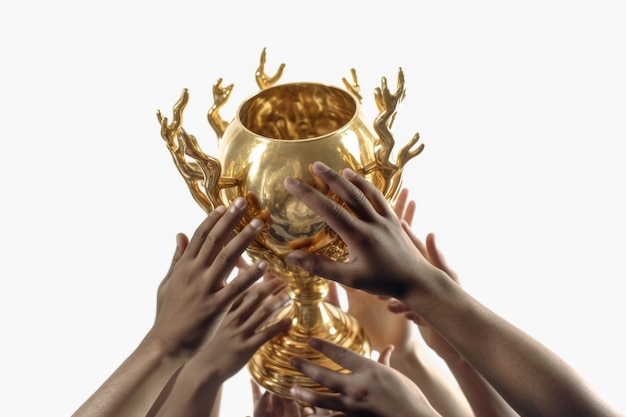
x=345 y=126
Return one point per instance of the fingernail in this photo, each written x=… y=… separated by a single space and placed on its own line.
x=320 y=166
x=219 y=209
x=262 y=265
x=348 y=173
x=293 y=261
x=256 y=223
x=290 y=181
x=238 y=204
x=314 y=343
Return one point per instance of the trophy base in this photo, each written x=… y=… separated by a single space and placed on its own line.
x=270 y=366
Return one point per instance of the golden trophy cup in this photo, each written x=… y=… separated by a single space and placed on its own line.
x=278 y=132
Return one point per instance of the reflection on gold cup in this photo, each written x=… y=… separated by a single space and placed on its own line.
x=278 y=132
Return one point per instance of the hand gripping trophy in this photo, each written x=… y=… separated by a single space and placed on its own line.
x=278 y=132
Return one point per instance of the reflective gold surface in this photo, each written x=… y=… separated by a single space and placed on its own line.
x=278 y=132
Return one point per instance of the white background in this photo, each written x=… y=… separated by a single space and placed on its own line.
x=520 y=105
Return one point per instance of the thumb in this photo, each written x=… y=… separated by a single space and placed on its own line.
x=385 y=355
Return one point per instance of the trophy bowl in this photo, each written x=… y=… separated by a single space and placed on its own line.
x=278 y=132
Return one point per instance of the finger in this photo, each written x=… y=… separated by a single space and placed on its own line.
x=397 y=307
x=373 y=195
x=199 y=236
x=263 y=403
x=437 y=258
x=416 y=318
x=267 y=333
x=319 y=265
x=385 y=355
x=400 y=206
x=241 y=282
x=320 y=412
x=256 y=391
x=260 y=302
x=414 y=239
x=335 y=216
x=342 y=185
x=409 y=213
x=326 y=377
x=268 y=276
x=222 y=233
x=227 y=257
x=181 y=244
x=329 y=401
x=341 y=355
x=279 y=287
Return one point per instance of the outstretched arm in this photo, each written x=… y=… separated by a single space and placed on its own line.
x=383 y=260
x=483 y=398
x=244 y=329
x=191 y=302
x=370 y=389
x=410 y=356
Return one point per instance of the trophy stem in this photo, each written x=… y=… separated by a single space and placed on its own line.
x=310 y=316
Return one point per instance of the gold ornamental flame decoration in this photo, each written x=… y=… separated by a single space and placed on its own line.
x=278 y=132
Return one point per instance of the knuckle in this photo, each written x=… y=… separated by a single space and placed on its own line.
x=226 y=257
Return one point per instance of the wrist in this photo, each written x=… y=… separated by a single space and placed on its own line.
x=159 y=348
x=195 y=388
x=409 y=357
x=431 y=294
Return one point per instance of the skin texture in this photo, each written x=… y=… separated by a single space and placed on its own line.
x=383 y=260
x=371 y=389
x=410 y=357
x=483 y=399
x=244 y=329
x=192 y=300
x=267 y=404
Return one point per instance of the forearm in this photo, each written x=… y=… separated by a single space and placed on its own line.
x=196 y=392
x=484 y=400
x=134 y=385
x=217 y=402
x=442 y=392
x=531 y=378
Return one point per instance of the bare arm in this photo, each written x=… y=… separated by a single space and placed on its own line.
x=242 y=332
x=383 y=260
x=184 y=320
x=483 y=398
x=370 y=389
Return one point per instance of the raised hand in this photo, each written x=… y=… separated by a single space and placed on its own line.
x=383 y=327
x=194 y=296
x=267 y=404
x=372 y=232
x=432 y=338
x=191 y=302
x=371 y=389
x=245 y=328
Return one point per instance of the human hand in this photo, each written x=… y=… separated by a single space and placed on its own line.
x=432 y=338
x=246 y=326
x=244 y=329
x=193 y=297
x=381 y=325
x=270 y=405
x=371 y=389
x=371 y=230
